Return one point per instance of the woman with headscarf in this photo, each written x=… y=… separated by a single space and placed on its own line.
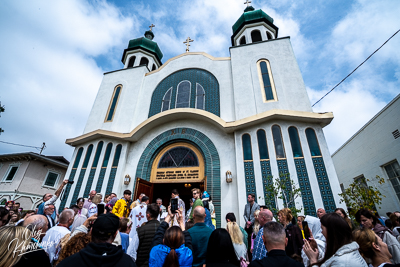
x=207 y=220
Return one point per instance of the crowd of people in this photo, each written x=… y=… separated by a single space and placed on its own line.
x=114 y=231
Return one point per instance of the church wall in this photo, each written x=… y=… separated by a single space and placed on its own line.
x=289 y=84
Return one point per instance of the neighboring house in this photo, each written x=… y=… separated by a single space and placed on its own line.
x=374 y=150
x=26 y=177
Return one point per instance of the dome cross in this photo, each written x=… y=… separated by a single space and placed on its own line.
x=247 y=2
x=187 y=42
x=151 y=27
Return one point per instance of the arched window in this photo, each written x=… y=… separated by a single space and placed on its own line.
x=97 y=156
x=144 y=61
x=295 y=142
x=78 y=158
x=166 y=100
x=116 y=156
x=154 y=67
x=242 y=40
x=107 y=155
x=183 y=95
x=278 y=142
x=266 y=81
x=262 y=144
x=269 y=36
x=256 y=36
x=200 y=96
x=113 y=103
x=246 y=141
x=131 y=62
x=313 y=143
x=87 y=157
x=178 y=157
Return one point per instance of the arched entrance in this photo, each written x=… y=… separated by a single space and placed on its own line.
x=159 y=171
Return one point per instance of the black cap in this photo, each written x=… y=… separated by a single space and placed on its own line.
x=106 y=225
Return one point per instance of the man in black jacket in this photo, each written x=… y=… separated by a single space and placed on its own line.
x=275 y=241
x=146 y=234
x=101 y=251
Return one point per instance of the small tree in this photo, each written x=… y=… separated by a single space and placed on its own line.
x=361 y=195
x=282 y=188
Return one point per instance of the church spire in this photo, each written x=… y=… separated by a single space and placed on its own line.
x=249 y=7
x=149 y=34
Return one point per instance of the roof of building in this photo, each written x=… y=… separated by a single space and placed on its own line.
x=56 y=160
x=250 y=16
x=145 y=44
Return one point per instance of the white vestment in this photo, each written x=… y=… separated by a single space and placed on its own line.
x=52 y=238
x=133 y=244
x=138 y=216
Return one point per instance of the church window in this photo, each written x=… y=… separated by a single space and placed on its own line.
x=154 y=67
x=278 y=142
x=256 y=36
x=144 y=61
x=200 y=96
x=183 y=95
x=166 y=100
x=131 y=61
x=87 y=157
x=107 y=155
x=295 y=142
x=78 y=158
x=393 y=172
x=242 y=40
x=262 y=144
x=313 y=143
x=113 y=103
x=178 y=157
x=246 y=141
x=269 y=36
x=266 y=81
x=97 y=156
x=117 y=155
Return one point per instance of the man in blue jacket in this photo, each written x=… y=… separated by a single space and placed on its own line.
x=200 y=234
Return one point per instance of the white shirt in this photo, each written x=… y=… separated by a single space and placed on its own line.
x=138 y=216
x=52 y=238
x=92 y=210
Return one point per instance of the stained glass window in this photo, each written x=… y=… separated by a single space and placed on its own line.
x=278 y=142
x=295 y=142
x=87 y=157
x=114 y=103
x=97 y=156
x=247 y=154
x=262 y=144
x=107 y=155
x=313 y=142
x=178 y=157
x=166 y=100
x=78 y=158
x=200 y=96
x=266 y=81
x=117 y=155
x=183 y=95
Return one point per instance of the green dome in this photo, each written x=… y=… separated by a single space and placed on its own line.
x=145 y=44
x=249 y=17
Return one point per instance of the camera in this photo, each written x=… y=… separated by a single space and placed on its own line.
x=70 y=182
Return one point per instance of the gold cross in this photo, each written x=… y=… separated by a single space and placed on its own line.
x=188 y=40
x=247 y=2
x=151 y=26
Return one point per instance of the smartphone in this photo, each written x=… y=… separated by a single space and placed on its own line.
x=174 y=205
x=100 y=209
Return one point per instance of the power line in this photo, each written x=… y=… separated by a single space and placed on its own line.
x=20 y=145
x=355 y=69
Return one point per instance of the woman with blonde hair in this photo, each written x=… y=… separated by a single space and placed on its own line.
x=293 y=232
x=256 y=228
x=237 y=240
x=93 y=207
x=14 y=241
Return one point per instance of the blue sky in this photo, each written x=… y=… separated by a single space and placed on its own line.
x=54 y=53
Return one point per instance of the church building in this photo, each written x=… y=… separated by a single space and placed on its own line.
x=227 y=125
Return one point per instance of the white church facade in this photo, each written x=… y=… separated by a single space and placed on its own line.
x=197 y=120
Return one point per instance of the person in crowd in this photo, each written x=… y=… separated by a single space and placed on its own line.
x=101 y=251
x=16 y=250
x=300 y=219
x=124 y=230
x=368 y=220
x=81 y=215
x=137 y=202
x=320 y=212
x=161 y=206
x=85 y=227
x=293 y=232
x=340 y=250
x=74 y=245
x=37 y=223
x=4 y=216
x=212 y=211
x=51 y=199
x=388 y=224
x=197 y=201
x=14 y=218
x=88 y=201
x=220 y=250
x=110 y=204
x=206 y=206
x=230 y=217
x=237 y=240
x=171 y=246
x=200 y=234
x=138 y=214
x=256 y=228
x=263 y=207
x=191 y=200
x=275 y=240
x=106 y=199
x=146 y=234
x=10 y=205
x=93 y=206
x=248 y=216
x=395 y=224
x=181 y=207
x=372 y=248
x=48 y=211
x=121 y=207
x=25 y=215
x=259 y=250
x=189 y=224
x=17 y=206
x=54 y=235
x=343 y=214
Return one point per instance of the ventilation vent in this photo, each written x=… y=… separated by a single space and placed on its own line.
x=396 y=134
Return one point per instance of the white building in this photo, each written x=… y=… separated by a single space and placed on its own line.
x=187 y=122
x=374 y=150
